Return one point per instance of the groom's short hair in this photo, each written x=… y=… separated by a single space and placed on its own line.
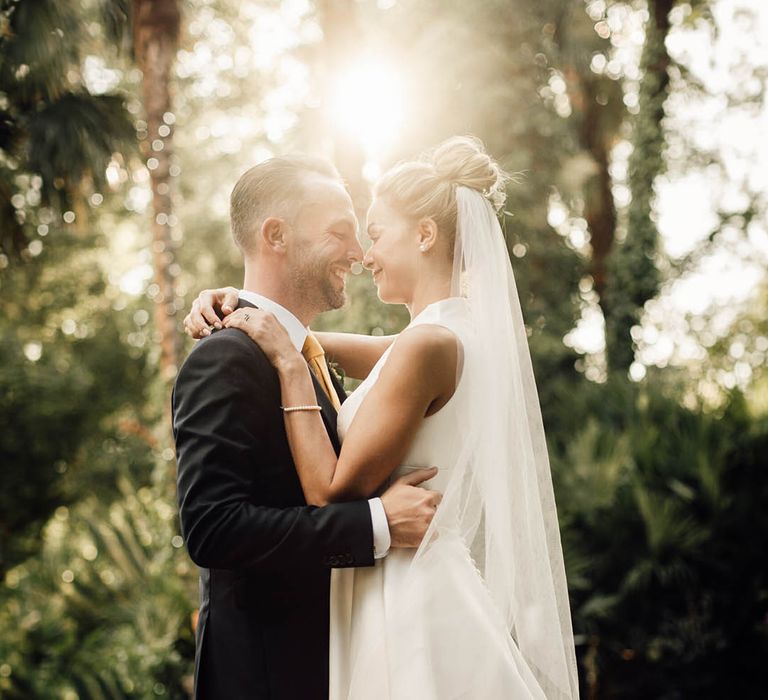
x=271 y=188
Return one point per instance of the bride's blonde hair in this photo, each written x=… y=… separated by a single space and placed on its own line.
x=427 y=187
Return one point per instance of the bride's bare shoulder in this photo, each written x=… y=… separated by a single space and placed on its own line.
x=425 y=349
x=428 y=337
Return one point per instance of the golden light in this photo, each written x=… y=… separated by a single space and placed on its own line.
x=366 y=101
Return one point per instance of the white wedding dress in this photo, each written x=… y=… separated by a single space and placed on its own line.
x=424 y=627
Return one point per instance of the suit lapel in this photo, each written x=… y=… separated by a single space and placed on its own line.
x=338 y=386
x=328 y=412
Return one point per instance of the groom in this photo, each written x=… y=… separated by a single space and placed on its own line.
x=265 y=557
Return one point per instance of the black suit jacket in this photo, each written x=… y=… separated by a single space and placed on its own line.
x=264 y=555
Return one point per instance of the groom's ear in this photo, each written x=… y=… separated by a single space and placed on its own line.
x=427 y=233
x=273 y=232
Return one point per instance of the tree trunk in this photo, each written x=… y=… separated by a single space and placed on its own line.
x=599 y=207
x=597 y=118
x=155 y=39
x=632 y=275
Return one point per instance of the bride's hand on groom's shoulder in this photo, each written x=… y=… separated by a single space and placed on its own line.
x=210 y=306
x=268 y=333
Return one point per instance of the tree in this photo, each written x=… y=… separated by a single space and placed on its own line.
x=67 y=378
x=56 y=138
x=155 y=39
x=633 y=276
x=598 y=114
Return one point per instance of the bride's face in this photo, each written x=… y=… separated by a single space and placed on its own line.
x=393 y=254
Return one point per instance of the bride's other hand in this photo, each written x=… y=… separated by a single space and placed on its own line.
x=266 y=331
x=203 y=316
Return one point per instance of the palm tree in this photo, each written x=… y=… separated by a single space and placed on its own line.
x=155 y=39
x=56 y=138
x=149 y=29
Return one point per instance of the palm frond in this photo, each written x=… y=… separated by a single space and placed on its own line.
x=669 y=526
x=116 y=19
x=74 y=138
x=41 y=43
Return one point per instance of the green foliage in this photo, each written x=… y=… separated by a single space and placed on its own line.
x=55 y=137
x=39 y=44
x=115 y=16
x=74 y=138
x=662 y=518
x=632 y=272
x=661 y=505
x=105 y=610
x=66 y=377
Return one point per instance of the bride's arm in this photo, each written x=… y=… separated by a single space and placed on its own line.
x=356 y=354
x=418 y=378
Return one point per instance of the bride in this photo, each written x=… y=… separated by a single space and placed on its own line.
x=480 y=610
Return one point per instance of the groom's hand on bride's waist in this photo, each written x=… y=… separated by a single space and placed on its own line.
x=410 y=508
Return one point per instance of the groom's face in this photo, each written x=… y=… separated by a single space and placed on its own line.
x=323 y=243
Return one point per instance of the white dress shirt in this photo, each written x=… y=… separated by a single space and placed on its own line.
x=298 y=334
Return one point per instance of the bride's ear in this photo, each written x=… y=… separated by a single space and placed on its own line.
x=273 y=234
x=427 y=234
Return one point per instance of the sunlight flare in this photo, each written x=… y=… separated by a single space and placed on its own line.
x=366 y=101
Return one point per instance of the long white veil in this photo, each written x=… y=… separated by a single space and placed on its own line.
x=500 y=493
x=512 y=496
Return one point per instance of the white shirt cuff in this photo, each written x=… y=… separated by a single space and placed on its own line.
x=381 y=538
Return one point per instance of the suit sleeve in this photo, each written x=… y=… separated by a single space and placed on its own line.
x=219 y=403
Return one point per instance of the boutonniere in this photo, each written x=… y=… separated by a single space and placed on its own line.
x=338 y=372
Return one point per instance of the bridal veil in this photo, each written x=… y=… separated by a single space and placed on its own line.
x=499 y=502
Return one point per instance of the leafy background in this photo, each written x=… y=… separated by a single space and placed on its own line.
x=123 y=126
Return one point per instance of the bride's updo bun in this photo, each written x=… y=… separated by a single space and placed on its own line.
x=427 y=187
x=462 y=161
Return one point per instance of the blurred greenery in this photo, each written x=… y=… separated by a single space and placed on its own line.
x=105 y=610
x=56 y=136
x=659 y=464
x=65 y=406
x=664 y=539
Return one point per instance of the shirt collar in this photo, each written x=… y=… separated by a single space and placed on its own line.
x=297 y=332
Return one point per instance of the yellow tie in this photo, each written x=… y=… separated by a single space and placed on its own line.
x=315 y=356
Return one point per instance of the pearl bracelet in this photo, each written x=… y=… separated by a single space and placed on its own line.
x=291 y=409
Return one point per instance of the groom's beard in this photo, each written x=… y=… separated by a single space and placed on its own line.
x=312 y=280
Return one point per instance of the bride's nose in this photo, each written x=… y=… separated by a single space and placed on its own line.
x=368 y=259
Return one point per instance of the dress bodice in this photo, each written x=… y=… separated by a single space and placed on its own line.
x=437 y=441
